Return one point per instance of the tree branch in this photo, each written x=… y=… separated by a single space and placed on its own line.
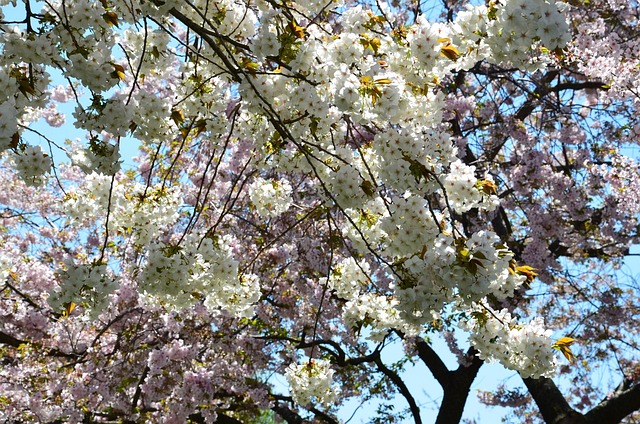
x=213 y=44
x=614 y=409
x=404 y=390
x=222 y=419
x=291 y=417
x=551 y=402
x=287 y=414
x=579 y=86
x=431 y=359
x=324 y=416
x=457 y=388
x=9 y=340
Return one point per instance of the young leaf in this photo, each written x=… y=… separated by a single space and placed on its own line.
x=527 y=271
x=249 y=65
x=15 y=139
x=118 y=72
x=111 y=18
x=26 y=87
x=449 y=52
x=562 y=344
x=487 y=187
x=177 y=116
x=296 y=29
x=68 y=309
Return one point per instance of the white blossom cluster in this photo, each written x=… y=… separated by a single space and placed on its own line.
x=111 y=116
x=6 y=266
x=453 y=271
x=426 y=41
x=498 y=336
x=88 y=285
x=469 y=33
x=314 y=7
x=378 y=313
x=134 y=208
x=368 y=229
x=200 y=269
x=493 y=273
x=409 y=226
x=270 y=197
x=8 y=121
x=519 y=24
x=32 y=165
x=151 y=116
x=399 y=149
x=401 y=184
x=347 y=176
x=348 y=276
x=92 y=43
x=311 y=383
x=460 y=185
x=99 y=156
x=266 y=43
x=19 y=104
x=145 y=115
x=137 y=43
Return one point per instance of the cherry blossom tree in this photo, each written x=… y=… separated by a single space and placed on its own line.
x=317 y=180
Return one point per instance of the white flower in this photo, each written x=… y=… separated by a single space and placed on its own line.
x=8 y=123
x=32 y=165
x=270 y=197
x=497 y=336
x=85 y=284
x=460 y=185
x=311 y=383
x=180 y=276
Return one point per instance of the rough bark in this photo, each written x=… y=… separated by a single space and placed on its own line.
x=456 y=390
x=551 y=402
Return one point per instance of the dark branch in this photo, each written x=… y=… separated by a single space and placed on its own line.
x=457 y=388
x=287 y=414
x=291 y=417
x=404 y=390
x=551 y=403
x=324 y=416
x=614 y=409
x=222 y=419
x=431 y=359
x=579 y=86
x=214 y=44
x=9 y=340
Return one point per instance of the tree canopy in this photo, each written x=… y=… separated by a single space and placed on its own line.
x=316 y=180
